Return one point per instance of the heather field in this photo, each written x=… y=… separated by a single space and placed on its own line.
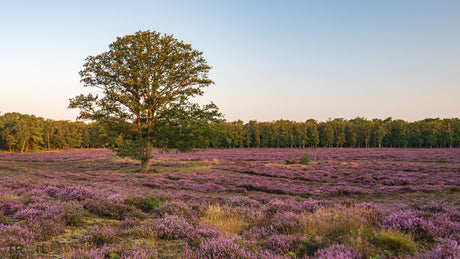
x=232 y=203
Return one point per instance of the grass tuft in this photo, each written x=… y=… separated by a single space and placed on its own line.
x=228 y=220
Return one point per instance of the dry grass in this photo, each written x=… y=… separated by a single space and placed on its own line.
x=228 y=220
x=336 y=222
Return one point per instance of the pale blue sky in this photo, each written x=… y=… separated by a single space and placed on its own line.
x=271 y=59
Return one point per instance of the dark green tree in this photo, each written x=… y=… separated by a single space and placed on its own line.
x=141 y=77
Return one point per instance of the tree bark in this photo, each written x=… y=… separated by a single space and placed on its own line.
x=145 y=164
x=147 y=161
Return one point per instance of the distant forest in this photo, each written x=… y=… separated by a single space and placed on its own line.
x=23 y=133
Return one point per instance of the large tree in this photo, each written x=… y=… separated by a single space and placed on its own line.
x=141 y=79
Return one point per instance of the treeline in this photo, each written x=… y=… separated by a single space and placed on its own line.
x=22 y=133
x=358 y=132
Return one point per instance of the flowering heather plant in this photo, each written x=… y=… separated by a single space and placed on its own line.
x=58 y=156
x=73 y=213
x=138 y=229
x=311 y=205
x=76 y=193
x=286 y=222
x=40 y=210
x=224 y=247
x=128 y=224
x=410 y=221
x=94 y=253
x=259 y=232
x=15 y=235
x=283 y=244
x=278 y=206
x=197 y=235
x=10 y=206
x=52 y=190
x=100 y=235
x=337 y=252
x=448 y=249
x=176 y=207
x=45 y=220
x=112 y=207
x=104 y=252
x=242 y=201
x=138 y=252
x=171 y=227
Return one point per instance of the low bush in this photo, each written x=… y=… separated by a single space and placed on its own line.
x=112 y=207
x=73 y=213
x=146 y=203
x=305 y=160
x=448 y=249
x=100 y=235
x=337 y=251
x=171 y=227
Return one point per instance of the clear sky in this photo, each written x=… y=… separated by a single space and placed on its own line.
x=271 y=59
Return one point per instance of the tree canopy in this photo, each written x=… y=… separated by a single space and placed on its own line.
x=143 y=79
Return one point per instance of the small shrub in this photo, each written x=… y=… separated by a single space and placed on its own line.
x=283 y=244
x=139 y=252
x=196 y=236
x=109 y=207
x=259 y=232
x=15 y=235
x=411 y=222
x=95 y=253
x=337 y=251
x=305 y=160
x=39 y=210
x=139 y=229
x=74 y=193
x=449 y=249
x=73 y=213
x=178 y=208
x=287 y=223
x=44 y=228
x=275 y=206
x=105 y=252
x=10 y=206
x=43 y=219
x=146 y=204
x=100 y=235
x=171 y=227
x=224 y=247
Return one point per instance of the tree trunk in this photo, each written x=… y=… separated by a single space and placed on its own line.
x=23 y=146
x=145 y=164
x=147 y=161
